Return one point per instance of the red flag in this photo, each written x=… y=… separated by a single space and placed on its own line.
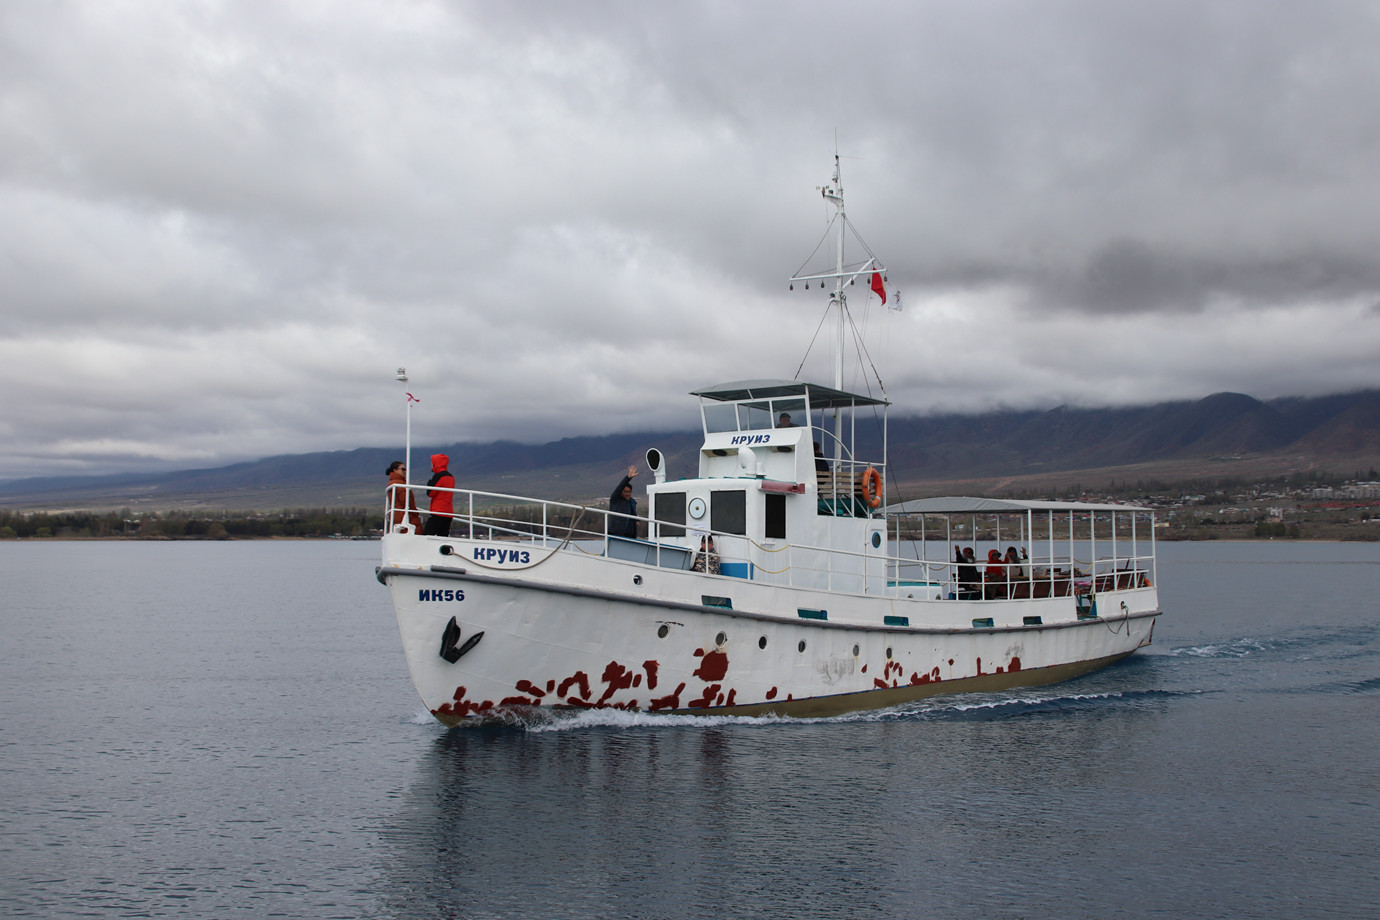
x=877 y=287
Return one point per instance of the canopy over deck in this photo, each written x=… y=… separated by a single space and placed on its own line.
x=820 y=397
x=969 y=505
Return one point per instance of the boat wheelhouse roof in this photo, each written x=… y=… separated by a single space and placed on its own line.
x=970 y=505
x=820 y=397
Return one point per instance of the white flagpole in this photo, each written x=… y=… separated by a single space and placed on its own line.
x=401 y=377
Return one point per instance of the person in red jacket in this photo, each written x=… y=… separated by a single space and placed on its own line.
x=442 y=507
x=996 y=575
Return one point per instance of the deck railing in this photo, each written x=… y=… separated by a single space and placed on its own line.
x=579 y=528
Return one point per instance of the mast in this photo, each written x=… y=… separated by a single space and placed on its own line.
x=839 y=301
x=842 y=275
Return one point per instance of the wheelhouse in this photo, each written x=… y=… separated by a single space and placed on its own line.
x=784 y=464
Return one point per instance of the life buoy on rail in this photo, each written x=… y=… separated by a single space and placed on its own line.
x=872 y=487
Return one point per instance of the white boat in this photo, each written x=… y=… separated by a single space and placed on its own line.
x=825 y=599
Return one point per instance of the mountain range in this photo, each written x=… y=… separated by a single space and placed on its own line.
x=1221 y=436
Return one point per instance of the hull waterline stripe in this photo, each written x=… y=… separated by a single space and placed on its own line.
x=461 y=575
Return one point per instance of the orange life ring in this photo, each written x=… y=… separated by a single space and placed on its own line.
x=872 y=487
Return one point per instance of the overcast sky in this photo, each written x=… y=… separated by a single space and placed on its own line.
x=223 y=226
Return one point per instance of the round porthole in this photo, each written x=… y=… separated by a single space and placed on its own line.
x=720 y=639
x=663 y=631
x=801 y=646
x=876 y=540
x=696 y=508
x=637 y=579
x=762 y=642
x=855 y=651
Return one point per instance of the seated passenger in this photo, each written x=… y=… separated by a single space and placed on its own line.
x=995 y=576
x=1017 y=564
x=969 y=581
x=706 y=560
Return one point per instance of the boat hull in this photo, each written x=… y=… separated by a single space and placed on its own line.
x=581 y=633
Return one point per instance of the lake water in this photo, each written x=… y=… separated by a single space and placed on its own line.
x=228 y=729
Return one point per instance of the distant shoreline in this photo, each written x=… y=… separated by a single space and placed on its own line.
x=132 y=538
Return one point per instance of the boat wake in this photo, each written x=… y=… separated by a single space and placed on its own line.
x=1334 y=644
x=993 y=709
x=1369 y=685
x=1343 y=687
x=616 y=718
x=1239 y=648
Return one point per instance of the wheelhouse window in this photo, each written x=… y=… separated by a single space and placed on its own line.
x=728 y=512
x=720 y=417
x=754 y=416
x=668 y=508
x=795 y=408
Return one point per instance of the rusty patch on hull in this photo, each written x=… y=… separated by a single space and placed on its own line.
x=714 y=701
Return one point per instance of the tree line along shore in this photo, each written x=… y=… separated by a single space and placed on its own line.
x=174 y=525
x=1318 y=520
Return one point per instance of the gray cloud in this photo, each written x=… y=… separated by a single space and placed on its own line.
x=223 y=226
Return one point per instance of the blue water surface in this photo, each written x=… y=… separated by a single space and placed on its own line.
x=228 y=729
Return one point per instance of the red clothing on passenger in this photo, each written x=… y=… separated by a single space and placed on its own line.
x=441 y=502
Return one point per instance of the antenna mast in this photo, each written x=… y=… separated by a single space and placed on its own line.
x=841 y=276
x=839 y=300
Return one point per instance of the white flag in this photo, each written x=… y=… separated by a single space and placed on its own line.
x=895 y=300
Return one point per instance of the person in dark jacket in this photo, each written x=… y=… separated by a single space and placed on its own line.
x=622 y=502
x=442 y=506
x=969 y=581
